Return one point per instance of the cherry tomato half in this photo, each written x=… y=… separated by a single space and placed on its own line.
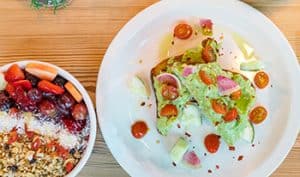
x=205 y=78
x=212 y=143
x=169 y=110
x=236 y=95
x=231 y=115
x=218 y=107
x=139 y=129
x=261 y=79
x=169 y=92
x=258 y=115
x=183 y=31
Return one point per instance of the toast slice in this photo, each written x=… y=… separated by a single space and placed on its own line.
x=191 y=88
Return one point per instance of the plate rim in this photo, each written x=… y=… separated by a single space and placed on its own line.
x=269 y=165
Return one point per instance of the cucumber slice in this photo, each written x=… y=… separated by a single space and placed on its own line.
x=254 y=65
x=178 y=150
x=248 y=133
x=191 y=116
x=139 y=87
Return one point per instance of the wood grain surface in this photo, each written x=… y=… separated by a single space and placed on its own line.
x=77 y=37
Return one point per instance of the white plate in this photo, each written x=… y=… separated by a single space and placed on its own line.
x=139 y=40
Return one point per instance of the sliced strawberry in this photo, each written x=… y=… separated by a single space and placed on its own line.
x=14 y=73
x=11 y=90
x=26 y=84
x=73 y=91
x=41 y=71
x=13 y=136
x=69 y=167
x=47 y=86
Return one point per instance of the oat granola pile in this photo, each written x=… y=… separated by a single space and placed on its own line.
x=49 y=159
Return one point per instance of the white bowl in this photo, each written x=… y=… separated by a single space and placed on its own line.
x=89 y=105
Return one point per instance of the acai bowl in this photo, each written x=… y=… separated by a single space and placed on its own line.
x=47 y=121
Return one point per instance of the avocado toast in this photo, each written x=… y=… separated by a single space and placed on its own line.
x=223 y=97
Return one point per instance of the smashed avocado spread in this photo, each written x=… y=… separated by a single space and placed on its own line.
x=191 y=87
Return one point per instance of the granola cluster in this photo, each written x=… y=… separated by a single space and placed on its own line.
x=25 y=158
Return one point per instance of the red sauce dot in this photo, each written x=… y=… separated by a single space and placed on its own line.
x=240 y=158
x=231 y=148
x=217 y=166
x=209 y=171
x=139 y=129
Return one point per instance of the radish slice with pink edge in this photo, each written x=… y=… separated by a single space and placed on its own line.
x=191 y=160
x=169 y=79
x=207 y=23
x=226 y=86
x=188 y=70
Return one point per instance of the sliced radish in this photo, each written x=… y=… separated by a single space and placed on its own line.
x=206 y=23
x=226 y=86
x=188 y=70
x=169 y=79
x=191 y=160
x=3 y=82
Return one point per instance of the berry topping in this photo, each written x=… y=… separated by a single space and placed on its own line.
x=60 y=81
x=34 y=80
x=35 y=95
x=47 y=86
x=47 y=108
x=74 y=126
x=64 y=103
x=14 y=73
x=26 y=84
x=79 y=112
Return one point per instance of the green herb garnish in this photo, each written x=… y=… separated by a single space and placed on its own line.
x=55 y=4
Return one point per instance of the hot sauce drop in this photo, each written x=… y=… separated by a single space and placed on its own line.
x=139 y=129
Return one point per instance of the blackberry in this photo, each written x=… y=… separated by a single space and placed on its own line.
x=34 y=80
x=5 y=102
x=60 y=81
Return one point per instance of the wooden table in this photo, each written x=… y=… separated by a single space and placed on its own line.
x=76 y=39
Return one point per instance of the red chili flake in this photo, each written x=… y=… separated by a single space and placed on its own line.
x=174 y=164
x=240 y=158
x=178 y=126
x=187 y=134
x=217 y=167
x=209 y=171
x=172 y=43
x=231 y=148
x=253 y=145
x=143 y=103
